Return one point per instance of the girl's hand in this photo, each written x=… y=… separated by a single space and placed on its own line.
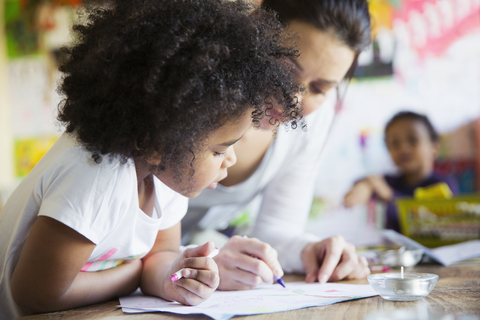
x=245 y=263
x=199 y=278
x=380 y=187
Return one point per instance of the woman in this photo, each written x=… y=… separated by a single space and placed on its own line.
x=280 y=165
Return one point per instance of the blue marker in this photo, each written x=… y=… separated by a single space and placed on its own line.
x=279 y=281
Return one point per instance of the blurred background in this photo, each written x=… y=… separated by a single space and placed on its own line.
x=425 y=57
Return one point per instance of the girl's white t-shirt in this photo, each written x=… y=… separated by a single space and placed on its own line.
x=99 y=201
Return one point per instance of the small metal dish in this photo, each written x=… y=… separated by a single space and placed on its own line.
x=397 y=258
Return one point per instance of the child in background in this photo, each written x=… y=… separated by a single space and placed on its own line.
x=413 y=145
x=156 y=94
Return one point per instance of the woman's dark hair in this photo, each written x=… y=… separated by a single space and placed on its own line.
x=409 y=115
x=157 y=76
x=348 y=20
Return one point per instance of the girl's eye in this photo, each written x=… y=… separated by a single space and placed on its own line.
x=220 y=154
x=395 y=143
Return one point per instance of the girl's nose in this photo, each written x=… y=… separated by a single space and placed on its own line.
x=230 y=159
x=404 y=146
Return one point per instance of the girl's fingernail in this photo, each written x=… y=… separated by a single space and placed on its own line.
x=186 y=273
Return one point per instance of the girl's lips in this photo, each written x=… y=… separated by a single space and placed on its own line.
x=215 y=184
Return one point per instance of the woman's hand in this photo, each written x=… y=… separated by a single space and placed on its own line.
x=244 y=263
x=200 y=276
x=333 y=259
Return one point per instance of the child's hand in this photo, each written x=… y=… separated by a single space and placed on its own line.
x=380 y=187
x=199 y=278
x=360 y=193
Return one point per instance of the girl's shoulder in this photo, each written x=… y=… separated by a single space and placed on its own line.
x=69 y=153
x=68 y=164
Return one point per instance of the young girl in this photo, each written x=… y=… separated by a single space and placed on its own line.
x=156 y=94
x=413 y=145
x=280 y=165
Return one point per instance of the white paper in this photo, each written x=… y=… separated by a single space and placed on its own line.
x=224 y=305
x=445 y=255
x=457 y=252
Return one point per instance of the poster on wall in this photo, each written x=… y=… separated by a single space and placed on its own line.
x=35 y=30
x=428 y=27
x=29 y=151
x=377 y=60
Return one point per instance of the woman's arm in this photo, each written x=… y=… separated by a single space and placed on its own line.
x=48 y=278
x=200 y=276
x=282 y=220
x=285 y=209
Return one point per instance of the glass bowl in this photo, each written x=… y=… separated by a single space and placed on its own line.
x=396 y=258
x=413 y=286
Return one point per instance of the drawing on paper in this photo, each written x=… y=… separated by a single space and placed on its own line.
x=264 y=299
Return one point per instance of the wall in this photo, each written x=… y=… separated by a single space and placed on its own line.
x=6 y=137
x=30 y=35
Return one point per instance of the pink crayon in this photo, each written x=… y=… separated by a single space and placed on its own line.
x=380 y=268
x=178 y=275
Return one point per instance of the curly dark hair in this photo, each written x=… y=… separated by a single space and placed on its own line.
x=157 y=76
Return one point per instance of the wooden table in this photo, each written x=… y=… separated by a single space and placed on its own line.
x=457 y=291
